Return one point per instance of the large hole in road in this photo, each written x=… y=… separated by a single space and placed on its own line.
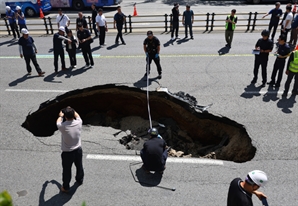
x=184 y=127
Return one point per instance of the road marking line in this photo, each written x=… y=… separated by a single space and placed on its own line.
x=265 y=92
x=170 y=159
x=35 y=90
x=48 y=56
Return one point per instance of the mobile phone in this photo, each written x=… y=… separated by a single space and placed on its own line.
x=264 y=201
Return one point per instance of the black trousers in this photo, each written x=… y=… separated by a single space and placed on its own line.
x=156 y=61
x=273 y=25
x=175 y=28
x=285 y=32
x=154 y=164
x=190 y=30
x=279 y=65
x=102 y=35
x=95 y=29
x=72 y=56
x=119 y=34
x=22 y=26
x=291 y=75
x=68 y=158
x=86 y=50
x=14 y=29
x=259 y=60
x=56 y=56
x=34 y=61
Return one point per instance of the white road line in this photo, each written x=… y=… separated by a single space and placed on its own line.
x=35 y=90
x=265 y=92
x=170 y=159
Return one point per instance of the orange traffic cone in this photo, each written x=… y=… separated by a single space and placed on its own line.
x=41 y=13
x=296 y=48
x=135 y=13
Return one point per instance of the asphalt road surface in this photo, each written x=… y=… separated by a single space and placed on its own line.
x=31 y=166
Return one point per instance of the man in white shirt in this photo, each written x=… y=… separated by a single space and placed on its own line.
x=70 y=145
x=62 y=20
x=102 y=27
x=286 y=24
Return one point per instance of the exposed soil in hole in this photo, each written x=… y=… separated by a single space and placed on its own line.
x=182 y=126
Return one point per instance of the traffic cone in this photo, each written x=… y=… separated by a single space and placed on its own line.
x=294 y=9
x=135 y=13
x=41 y=13
x=296 y=48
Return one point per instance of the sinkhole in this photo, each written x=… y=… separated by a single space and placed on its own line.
x=184 y=125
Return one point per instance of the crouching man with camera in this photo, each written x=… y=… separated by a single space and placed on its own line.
x=69 y=124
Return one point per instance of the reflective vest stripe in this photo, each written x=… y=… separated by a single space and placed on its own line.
x=233 y=25
x=294 y=64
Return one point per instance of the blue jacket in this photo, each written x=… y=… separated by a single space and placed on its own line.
x=12 y=15
x=295 y=22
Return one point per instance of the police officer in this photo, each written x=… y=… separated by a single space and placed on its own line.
x=58 y=48
x=10 y=15
x=152 y=48
x=282 y=53
x=265 y=46
x=85 y=40
x=292 y=72
x=154 y=153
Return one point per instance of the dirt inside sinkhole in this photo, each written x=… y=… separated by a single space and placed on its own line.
x=185 y=129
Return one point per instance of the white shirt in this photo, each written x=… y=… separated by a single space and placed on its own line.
x=289 y=17
x=101 y=20
x=63 y=21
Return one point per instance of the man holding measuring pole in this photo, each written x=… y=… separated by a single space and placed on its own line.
x=152 y=49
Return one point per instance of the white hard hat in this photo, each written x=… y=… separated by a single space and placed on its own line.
x=24 y=31
x=7 y=8
x=258 y=177
x=61 y=28
x=18 y=8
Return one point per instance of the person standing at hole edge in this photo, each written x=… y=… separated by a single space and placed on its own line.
x=58 y=48
x=21 y=18
x=240 y=192
x=85 y=40
x=187 y=21
x=119 y=20
x=175 y=25
x=28 y=50
x=154 y=154
x=94 y=14
x=10 y=15
x=265 y=46
x=274 y=20
x=231 y=22
x=292 y=72
x=281 y=54
x=71 y=148
x=151 y=47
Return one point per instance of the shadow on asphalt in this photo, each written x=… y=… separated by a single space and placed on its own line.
x=60 y=198
x=250 y=91
x=143 y=82
x=271 y=94
x=224 y=50
x=168 y=43
x=9 y=43
x=285 y=104
x=181 y=41
x=113 y=46
x=21 y=79
x=51 y=78
x=148 y=179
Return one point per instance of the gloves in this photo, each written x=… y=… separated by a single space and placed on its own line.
x=146 y=54
x=156 y=56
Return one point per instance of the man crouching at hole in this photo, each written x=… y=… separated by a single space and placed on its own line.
x=69 y=124
x=154 y=153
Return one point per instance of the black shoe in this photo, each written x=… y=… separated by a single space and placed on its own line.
x=116 y=42
x=263 y=84
x=271 y=83
x=159 y=76
x=145 y=75
x=284 y=94
x=294 y=92
x=277 y=85
x=253 y=81
x=185 y=37
x=123 y=43
x=191 y=37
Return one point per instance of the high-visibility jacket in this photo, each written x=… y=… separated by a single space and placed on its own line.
x=293 y=67
x=233 y=25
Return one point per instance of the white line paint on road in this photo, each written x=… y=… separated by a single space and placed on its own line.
x=170 y=159
x=35 y=90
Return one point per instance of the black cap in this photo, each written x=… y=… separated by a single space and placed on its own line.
x=149 y=33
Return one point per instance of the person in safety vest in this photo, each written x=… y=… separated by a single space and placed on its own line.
x=292 y=72
x=240 y=192
x=154 y=153
x=230 y=27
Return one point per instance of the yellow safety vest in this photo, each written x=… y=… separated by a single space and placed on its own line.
x=233 y=25
x=293 y=67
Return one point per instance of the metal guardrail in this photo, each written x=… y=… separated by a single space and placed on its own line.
x=207 y=22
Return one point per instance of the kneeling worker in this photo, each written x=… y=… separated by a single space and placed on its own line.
x=154 y=153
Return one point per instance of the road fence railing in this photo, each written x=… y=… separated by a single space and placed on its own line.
x=247 y=22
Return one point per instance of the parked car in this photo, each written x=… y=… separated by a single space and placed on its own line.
x=30 y=8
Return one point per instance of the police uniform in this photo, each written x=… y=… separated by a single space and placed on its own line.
x=262 y=59
x=279 y=64
x=119 y=19
x=152 y=52
x=292 y=71
x=58 y=51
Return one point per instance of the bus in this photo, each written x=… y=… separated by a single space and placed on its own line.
x=81 y=4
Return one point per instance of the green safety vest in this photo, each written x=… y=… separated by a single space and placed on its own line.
x=293 y=67
x=233 y=25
